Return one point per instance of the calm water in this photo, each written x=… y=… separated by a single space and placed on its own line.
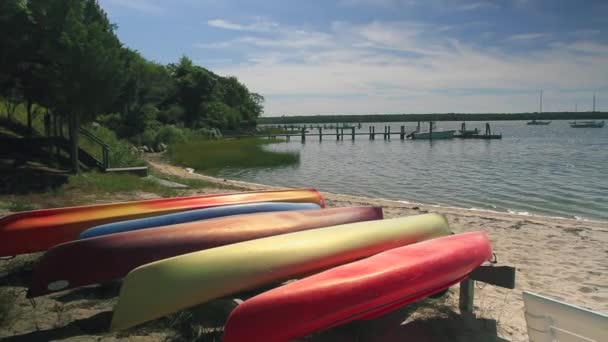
x=550 y=170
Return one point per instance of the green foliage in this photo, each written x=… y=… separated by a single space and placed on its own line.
x=212 y=156
x=113 y=183
x=64 y=56
x=121 y=154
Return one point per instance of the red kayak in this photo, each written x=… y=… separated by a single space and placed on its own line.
x=359 y=290
x=104 y=258
x=39 y=230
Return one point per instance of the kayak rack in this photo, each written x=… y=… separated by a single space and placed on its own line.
x=501 y=276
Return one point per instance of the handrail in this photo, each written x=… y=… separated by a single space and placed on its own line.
x=91 y=136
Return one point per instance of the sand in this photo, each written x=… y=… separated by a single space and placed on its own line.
x=560 y=258
x=564 y=259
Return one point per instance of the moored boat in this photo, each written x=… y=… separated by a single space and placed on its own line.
x=38 y=230
x=587 y=124
x=105 y=258
x=166 y=286
x=360 y=290
x=439 y=134
x=538 y=122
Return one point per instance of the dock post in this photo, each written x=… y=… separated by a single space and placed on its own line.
x=303 y=134
x=373 y=132
x=342 y=133
x=389 y=133
x=467 y=294
x=402 y=134
x=370 y=132
x=320 y=133
x=430 y=130
x=352 y=132
x=337 y=134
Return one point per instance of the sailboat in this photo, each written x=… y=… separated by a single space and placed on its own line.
x=538 y=122
x=588 y=124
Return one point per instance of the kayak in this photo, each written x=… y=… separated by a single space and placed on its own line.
x=362 y=289
x=193 y=215
x=38 y=230
x=166 y=286
x=102 y=259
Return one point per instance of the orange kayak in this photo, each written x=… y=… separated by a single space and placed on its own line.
x=38 y=230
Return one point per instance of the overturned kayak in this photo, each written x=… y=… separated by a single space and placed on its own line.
x=193 y=215
x=166 y=286
x=38 y=230
x=361 y=289
x=102 y=259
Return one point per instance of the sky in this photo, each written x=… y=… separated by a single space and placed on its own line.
x=314 y=57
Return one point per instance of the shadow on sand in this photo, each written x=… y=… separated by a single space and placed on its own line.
x=447 y=326
x=95 y=324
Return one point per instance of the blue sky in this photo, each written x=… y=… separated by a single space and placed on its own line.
x=385 y=56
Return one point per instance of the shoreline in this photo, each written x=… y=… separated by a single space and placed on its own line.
x=561 y=258
x=174 y=170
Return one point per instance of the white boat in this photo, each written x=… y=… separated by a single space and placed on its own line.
x=438 y=134
x=587 y=124
x=549 y=320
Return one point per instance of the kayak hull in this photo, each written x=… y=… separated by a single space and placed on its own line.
x=166 y=286
x=38 y=230
x=104 y=258
x=362 y=289
x=193 y=215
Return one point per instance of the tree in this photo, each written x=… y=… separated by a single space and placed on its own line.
x=87 y=65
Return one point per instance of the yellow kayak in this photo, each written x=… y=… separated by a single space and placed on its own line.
x=162 y=287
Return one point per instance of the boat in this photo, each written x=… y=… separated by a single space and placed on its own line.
x=538 y=122
x=38 y=230
x=193 y=215
x=69 y=265
x=467 y=133
x=439 y=134
x=432 y=133
x=587 y=124
x=363 y=289
x=548 y=319
x=163 y=287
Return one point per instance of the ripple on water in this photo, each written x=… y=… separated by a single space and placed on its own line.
x=553 y=170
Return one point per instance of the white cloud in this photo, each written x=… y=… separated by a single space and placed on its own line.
x=259 y=25
x=146 y=6
x=476 y=5
x=528 y=36
x=396 y=67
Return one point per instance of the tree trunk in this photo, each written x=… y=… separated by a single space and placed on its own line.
x=29 y=116
x=74 y=126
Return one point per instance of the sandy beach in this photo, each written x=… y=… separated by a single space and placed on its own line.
x=563 y=259
x=560 y=258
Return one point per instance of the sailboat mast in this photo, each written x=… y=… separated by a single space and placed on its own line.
x=594 y=102
x=541 y=101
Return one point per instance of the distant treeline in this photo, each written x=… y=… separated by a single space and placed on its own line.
x=63 y=58
x=301 y=119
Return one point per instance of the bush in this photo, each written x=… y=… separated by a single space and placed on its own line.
x=214 y=155
x=121 y=154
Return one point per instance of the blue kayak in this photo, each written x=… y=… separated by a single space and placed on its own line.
x=193 y=215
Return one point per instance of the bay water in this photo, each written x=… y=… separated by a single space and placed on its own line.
x=552 y=170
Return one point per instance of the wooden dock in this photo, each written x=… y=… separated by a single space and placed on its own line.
x=350 y=132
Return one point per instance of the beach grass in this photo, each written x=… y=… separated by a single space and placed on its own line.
x=213 y=155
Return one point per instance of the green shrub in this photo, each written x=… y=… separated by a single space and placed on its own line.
x=214 y=155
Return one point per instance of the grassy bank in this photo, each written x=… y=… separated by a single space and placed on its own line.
x=213 y=155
